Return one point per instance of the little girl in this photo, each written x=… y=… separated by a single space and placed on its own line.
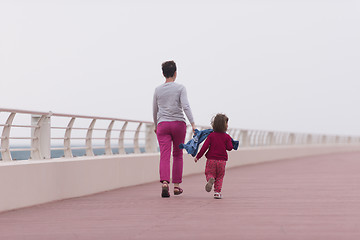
x=216 y=143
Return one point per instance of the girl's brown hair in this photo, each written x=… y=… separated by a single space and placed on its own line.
x=219 y=123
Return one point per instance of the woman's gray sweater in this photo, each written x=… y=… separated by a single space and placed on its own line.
x=169 y=103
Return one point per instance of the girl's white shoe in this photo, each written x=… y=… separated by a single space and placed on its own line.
x=209 y=184
x=217 y=195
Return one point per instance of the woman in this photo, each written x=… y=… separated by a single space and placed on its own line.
x=169 y=103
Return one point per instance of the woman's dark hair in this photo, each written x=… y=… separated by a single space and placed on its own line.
x=168 y=68
x=219 y=122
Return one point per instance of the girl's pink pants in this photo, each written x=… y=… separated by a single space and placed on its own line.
x=171 y=134
x=215 y=169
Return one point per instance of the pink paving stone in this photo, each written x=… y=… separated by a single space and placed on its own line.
x=304 y=198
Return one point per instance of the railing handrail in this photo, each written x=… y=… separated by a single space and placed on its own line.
x=41 y=136
x=50 y=113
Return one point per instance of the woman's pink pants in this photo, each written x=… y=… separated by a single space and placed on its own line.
x=171 y=133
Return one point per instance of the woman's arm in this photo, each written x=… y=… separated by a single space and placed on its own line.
x=155 y=110
x=186 y=107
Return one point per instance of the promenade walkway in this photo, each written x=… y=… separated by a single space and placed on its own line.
x=298 y=199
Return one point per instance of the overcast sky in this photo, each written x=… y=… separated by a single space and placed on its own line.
x=290 y=65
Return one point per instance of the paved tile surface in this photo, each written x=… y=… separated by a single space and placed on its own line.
x=305 y=198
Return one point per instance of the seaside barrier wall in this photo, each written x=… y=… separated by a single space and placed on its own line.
x=31 y=182
x=94 y=158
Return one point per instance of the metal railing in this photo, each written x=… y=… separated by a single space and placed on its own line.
x=50 y=132
x=53 y=135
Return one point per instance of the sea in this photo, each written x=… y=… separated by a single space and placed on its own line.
x=25 y=155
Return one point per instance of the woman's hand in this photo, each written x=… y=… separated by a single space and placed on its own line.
x=196 y=159
x=193 y=127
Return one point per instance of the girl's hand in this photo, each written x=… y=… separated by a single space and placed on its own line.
x=196 y=159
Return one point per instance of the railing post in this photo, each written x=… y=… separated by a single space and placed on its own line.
x=237 y=137
x=253 y=138
x=279 y=138
x=136 y=139
x=108 y=150
x=259 y=138
x=121 y=139
x=292 y=139
x=323 y=139
x=309 y=139
x=150 y=139
x=282 y=138
x=88 y=142
x=304 y=139
x=250 y=138
x=244 y=139
x=270 y=138
x=41 y=137
x=231 y=131
x=5 y=142
x=263 y=138
x=67 y=139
